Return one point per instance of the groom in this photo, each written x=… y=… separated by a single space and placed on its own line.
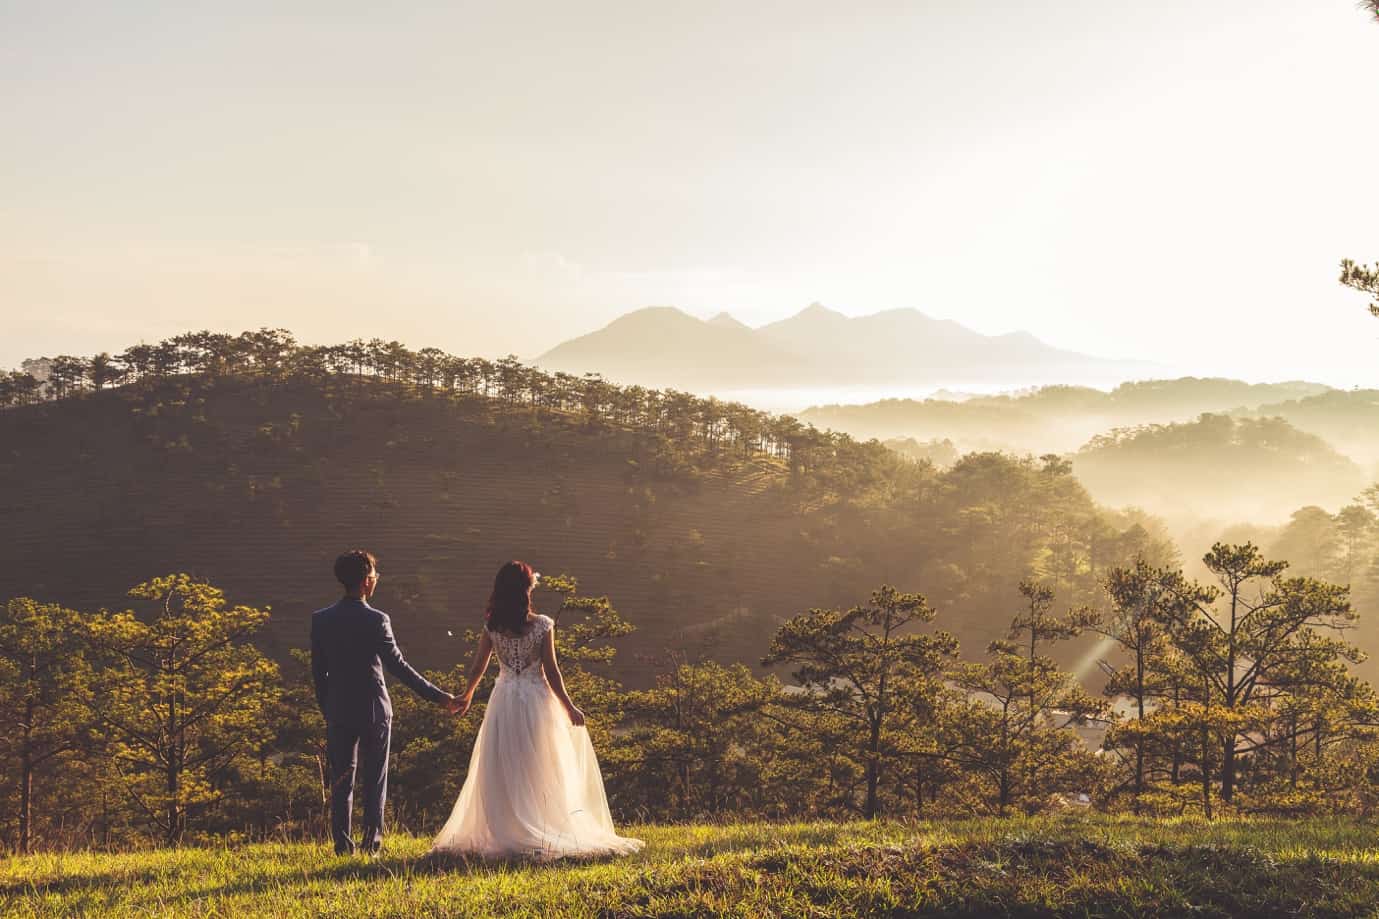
x=351 y=643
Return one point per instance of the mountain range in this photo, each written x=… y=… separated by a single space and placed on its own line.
x=664 y=346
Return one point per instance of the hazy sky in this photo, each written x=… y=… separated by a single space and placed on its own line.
x=1171 y=181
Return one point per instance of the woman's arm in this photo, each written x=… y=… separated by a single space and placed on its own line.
x=482 y=655
x=555 y=679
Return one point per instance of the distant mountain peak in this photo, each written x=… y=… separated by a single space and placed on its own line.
x=902 y=311
x=654 y=312
x=665 y=346
x=727 y=320
x=817 y=310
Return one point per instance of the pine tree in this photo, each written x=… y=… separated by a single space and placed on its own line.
x=857 y=665
x=187 y=699
x=1244 y=637
x=701 y=740
x=1142 y=598
x=1021 y=705
x=1364 y=278
x=45 y=676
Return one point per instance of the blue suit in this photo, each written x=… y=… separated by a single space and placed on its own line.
x=351 y=643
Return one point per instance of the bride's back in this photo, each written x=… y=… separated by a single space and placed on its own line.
x=518 y=653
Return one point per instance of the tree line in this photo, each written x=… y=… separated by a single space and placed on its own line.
x=1342 y=547
x=273 y=355
x=161 y=721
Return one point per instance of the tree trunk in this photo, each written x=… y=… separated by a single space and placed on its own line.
x=26 y=785
x=1139 y=737
x=174 y=759
x=1228 y=769
x=1139 y=772
x=873 y=776
x=874 y=759
x=1228 y=744
x=1293 y=754
x=1176 y=747
x=1206 y=774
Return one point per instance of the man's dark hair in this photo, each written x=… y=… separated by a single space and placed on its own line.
x=353 y=567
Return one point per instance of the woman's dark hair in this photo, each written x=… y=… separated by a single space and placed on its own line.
x=510 y=601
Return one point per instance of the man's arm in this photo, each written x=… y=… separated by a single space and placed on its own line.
x=391 y=655
x=319 y=670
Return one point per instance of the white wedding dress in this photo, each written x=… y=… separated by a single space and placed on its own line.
x=533 y=788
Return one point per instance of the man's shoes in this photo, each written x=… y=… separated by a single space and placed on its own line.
x=364 y=849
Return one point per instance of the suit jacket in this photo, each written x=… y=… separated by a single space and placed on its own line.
x=351 y=643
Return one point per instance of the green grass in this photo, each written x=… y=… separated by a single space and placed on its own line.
x=1090 y=866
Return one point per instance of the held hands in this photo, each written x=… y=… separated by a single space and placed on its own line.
x=459 y=706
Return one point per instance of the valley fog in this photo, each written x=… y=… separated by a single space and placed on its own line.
x=796 y=400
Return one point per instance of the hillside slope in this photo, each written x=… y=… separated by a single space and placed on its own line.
x=259 y=491
x=257 y=484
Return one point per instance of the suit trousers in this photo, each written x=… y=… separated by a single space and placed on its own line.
x=345 y=744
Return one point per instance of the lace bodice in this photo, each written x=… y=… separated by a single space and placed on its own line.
x=520 y=655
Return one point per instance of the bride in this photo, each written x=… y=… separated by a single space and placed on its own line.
x=533 y=787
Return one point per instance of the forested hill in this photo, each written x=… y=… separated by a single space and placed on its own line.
x=706 y=523
x=1235 y=468
x=1063 y=418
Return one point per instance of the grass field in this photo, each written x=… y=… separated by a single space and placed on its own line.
x=1073 y=866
